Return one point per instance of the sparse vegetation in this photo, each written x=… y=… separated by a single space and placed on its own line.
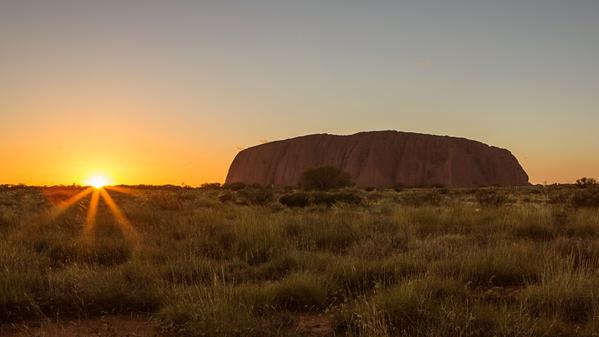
x=251 y=261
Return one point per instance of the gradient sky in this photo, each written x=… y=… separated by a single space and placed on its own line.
x=169 y=91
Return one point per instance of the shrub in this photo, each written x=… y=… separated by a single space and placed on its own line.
x=324 y=178
x=299 y=199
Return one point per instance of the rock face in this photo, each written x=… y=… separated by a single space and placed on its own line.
x=381 y=159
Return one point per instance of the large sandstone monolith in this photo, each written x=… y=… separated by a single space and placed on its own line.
x=380 y=159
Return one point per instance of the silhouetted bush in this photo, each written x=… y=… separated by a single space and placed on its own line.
x=586 y=182
x=299 y=199
x=325 y=178
x=234 y=186
x=210 y=186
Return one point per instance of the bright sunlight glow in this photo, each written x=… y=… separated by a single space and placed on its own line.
x=98 y=181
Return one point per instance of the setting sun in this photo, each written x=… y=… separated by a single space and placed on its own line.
x=98 y=181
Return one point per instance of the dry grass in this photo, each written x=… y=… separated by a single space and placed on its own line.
x=420 y=262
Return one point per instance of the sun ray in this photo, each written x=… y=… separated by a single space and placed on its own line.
x=124 y=190
x=90 y=219
x=124 y=224
x=63 y=206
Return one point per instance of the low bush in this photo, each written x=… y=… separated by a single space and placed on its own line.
x=324 y=178
x=299 y=199
x=210 y=186
x=234 y=186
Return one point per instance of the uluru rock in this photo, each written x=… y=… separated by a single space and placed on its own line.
x=380 y=159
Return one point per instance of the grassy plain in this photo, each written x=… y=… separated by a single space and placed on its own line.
x=236 y=262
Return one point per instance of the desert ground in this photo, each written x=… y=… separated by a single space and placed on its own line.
x=249 y=261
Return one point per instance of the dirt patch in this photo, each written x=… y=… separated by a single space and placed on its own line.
x=109 y=326
x=314 y=325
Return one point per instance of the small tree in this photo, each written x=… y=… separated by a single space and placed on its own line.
x=586 y=182
x=325 y=178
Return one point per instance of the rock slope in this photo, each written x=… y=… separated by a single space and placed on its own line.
x=380 y=159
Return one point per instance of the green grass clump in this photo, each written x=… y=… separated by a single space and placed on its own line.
x=570 y=297
x=510 y=265
x=301 y=292
x=217 y=311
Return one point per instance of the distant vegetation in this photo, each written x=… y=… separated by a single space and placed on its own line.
x=244 y=260
x=325 y=178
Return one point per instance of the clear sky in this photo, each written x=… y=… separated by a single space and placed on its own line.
x=169 y=91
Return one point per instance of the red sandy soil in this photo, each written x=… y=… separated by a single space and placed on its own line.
x=314 y=325
x=109 y=326
x=124 y=326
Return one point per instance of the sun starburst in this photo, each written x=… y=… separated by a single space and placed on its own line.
x=97 y=191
